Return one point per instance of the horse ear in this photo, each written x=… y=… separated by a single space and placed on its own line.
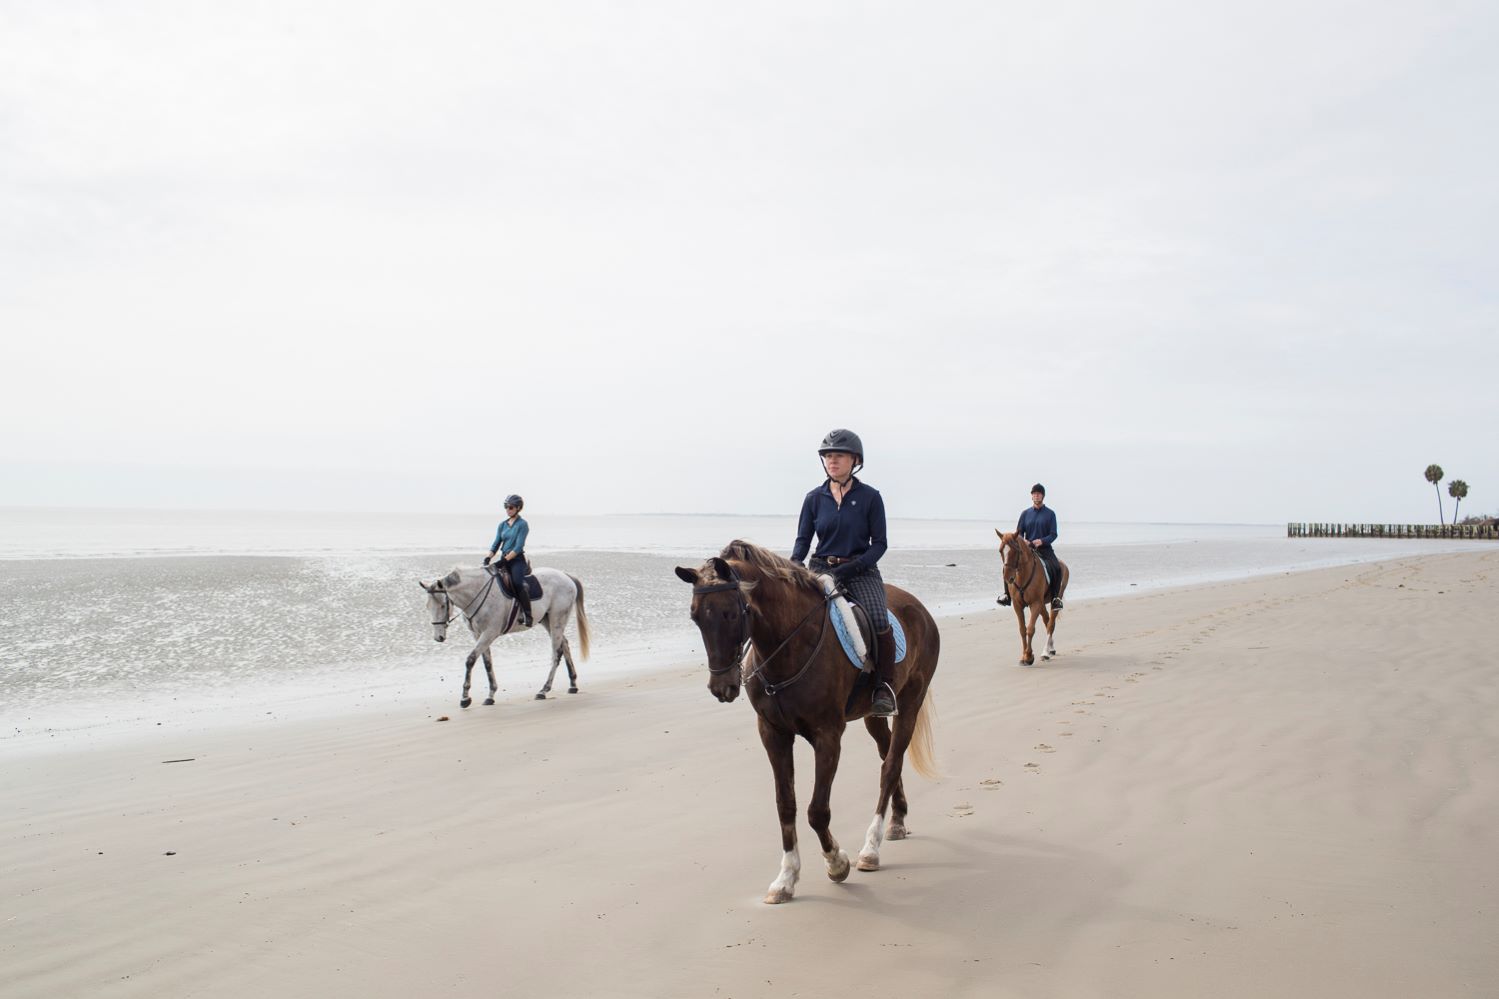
x=424 y=586
x=1000 y=533
x=687 y=575
x=722 y=568
x=451 y=579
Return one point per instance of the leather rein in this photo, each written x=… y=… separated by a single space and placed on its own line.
x=447 y=603
x=770 y=687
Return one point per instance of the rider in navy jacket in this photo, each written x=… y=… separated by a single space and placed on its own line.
x=1039 y=524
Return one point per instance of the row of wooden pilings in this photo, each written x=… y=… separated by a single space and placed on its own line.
x=1459 y=532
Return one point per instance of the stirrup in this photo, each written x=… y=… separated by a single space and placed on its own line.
x=1056 y=603
x=874 y=704
x=1003 y=600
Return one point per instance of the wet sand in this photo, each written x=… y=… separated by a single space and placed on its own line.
x=1286 y=786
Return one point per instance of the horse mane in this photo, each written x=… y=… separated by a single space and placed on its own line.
x=772 y=565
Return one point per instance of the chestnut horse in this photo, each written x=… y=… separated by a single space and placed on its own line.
x=764 y=621
x=1025 y=582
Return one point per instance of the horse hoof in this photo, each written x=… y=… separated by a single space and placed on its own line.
x=1046 y=659
x=572 y=690
x=777 y=896
x=838 y=871
x=465 y=702
x=896 y=831
x=868 y=863
x=489 y=700
x=541 y=697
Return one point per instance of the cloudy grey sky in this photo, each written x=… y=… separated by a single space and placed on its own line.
x=1179 y=260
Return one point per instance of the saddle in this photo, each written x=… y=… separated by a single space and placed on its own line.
x=858 y=642
x=533 y=586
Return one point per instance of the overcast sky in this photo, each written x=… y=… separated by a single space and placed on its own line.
x=1181 y=261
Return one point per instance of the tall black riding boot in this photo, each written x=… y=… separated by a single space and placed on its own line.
x=883 y=704
x=522 y=595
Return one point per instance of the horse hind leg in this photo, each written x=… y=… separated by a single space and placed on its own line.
x=489 y=669
x=572 y=671
x=890 y=779
x=879 y=729
x=556 y=635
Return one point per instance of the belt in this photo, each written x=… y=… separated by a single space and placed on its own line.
x=831 y=559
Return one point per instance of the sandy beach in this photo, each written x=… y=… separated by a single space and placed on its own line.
x=1286 y=786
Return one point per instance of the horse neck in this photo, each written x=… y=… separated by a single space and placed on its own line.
x=779 y=607
x=468 y=587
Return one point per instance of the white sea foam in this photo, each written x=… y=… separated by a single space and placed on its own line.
x=230 y=612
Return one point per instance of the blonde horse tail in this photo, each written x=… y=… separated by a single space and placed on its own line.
x=582 y=616
x=923 y=753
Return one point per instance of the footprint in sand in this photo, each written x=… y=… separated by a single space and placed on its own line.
x=1043 y=747
x=961 y=810
x=1034 y=768
x=990 y=783
x=1064 y=733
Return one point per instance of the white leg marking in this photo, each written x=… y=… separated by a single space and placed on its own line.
x=784 y=886
x=869 y=857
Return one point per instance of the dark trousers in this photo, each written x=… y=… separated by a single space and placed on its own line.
x=517 y=569
x=867 y=589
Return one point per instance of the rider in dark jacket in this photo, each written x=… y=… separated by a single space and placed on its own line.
x=848 y=517
x=510 y=542
x=1038 y=526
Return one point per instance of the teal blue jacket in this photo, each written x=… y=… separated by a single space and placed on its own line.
x=510 y=537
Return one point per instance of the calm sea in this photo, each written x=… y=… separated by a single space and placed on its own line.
x=117 y=617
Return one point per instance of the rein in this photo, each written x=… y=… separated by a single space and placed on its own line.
x=1019 y=586
x=467 y=615
x=768 y=686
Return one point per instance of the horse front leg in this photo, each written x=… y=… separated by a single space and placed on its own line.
x=488 y=669
x=468 y=677
x=778 y=745
x=880 y=730
x=827 y=748
x=1025 y=643
x=890 y=773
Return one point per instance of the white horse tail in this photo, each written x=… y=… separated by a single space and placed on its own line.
x=582 y=616
x=923 y=752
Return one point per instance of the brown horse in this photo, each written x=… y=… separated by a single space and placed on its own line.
x=765 y=626
x=1025 y=582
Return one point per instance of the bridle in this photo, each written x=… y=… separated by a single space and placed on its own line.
x=1019 y=586
x=447 y=603
x=768 y=686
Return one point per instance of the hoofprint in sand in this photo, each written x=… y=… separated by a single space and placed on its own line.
x=1285 y=786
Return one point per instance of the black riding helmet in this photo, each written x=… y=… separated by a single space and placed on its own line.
x=1039 y=488
x=515 y=501
x=843 y=440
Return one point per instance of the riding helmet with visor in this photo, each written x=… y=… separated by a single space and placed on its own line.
x=515 y=501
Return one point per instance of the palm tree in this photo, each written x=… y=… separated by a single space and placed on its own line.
x=1458 y=490
x=1434 y=475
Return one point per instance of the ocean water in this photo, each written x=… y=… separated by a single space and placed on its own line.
x=119 y=617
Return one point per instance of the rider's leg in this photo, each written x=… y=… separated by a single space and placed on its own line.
x=868 y=590
x=883 y=705
x=1055 y=585
x=517 y=568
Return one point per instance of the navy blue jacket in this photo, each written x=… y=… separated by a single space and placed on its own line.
x=1036 y=523
x=854 y=530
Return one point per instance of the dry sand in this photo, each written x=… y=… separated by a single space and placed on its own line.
x=1279 y=787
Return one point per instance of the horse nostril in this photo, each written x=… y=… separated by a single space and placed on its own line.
x=440 y=637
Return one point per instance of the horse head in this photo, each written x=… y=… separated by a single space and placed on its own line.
x=722 y=614
x=440 y=604
x=1010 y=547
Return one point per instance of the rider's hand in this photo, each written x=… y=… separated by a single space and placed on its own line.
x=1036 y=543
x=843 y=570
x=487 y=558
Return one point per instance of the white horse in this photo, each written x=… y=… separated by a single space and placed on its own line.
x=476 y=594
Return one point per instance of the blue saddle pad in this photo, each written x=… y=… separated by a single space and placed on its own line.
x=848 y=643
